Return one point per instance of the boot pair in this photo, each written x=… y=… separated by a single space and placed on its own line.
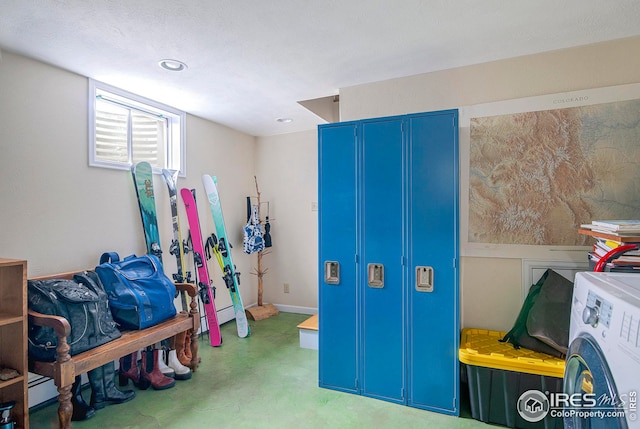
x=103 y=392
x=148 y=374
x=173 y=368
x=129 y=370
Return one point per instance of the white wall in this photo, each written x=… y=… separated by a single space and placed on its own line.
x=60 y=215
x=287 y=172
x=592 y=66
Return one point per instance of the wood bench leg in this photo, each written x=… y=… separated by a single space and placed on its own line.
x=195 y=318
x=194 y=351
x=64 y=379
x=65 y=409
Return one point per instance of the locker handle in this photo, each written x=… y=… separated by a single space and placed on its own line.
x=332 y=272
x=424 y=279
x=375 y=275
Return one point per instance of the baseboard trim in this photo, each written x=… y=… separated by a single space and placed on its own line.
x=296 y=309
x=225 y=315
x=291 y=308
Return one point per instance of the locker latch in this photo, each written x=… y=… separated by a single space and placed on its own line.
x=424 y=279
x=375 y=275
x=332 y=272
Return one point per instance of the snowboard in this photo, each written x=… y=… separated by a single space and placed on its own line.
x=230 y=276
x=178 y=248
x=204 y=281
x=143 y=183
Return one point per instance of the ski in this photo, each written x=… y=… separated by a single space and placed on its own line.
x=178 y=248
x=143 y=183
x=204 y=281
x=230 y=276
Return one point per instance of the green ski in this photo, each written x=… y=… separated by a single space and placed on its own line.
x=230 y=276
x=143 y=184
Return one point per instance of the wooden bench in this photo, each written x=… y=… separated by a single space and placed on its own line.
x=64 y=370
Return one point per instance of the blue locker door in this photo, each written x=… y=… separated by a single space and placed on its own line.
x=381 y=270
x=338 y=314
x=433 y=319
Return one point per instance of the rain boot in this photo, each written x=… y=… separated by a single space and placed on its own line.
x=103 y=387
x=181 y=372
x=163 y=367
x=184 y=351
x=179 y=343
x=129 y=370
x=81 y=410
x=152 y=374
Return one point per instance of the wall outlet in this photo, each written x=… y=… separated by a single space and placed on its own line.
x=286 y=288
x=314 y=206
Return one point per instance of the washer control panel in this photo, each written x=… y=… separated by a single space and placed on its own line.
x=597 y=311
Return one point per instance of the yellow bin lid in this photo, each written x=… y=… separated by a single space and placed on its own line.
x=481 y=347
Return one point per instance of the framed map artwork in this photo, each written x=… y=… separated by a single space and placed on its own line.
x=534 y=169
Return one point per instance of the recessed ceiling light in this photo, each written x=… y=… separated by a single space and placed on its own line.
x=284 y=120
x=172 y=65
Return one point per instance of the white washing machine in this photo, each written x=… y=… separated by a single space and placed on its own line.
x=602 y=373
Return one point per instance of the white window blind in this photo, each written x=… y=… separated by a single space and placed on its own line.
x=129 y=129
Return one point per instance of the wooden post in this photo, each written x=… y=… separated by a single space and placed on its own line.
x=260 y=273
x=261 y=311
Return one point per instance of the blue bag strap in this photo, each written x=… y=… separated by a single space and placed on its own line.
x=148 y=260
x=111 y=257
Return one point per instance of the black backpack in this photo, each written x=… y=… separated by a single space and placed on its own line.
x=83 y=302
x=543 y=322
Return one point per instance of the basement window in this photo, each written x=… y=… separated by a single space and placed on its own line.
x=126 y=129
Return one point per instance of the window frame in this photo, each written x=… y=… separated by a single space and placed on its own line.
x=176 y=132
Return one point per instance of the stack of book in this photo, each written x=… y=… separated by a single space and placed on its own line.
x=616 y=233
x=629 y=259
x=620 y=228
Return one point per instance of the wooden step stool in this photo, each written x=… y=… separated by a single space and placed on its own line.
x=309 y=333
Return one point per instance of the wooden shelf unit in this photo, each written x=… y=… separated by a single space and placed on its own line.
x=13 y=337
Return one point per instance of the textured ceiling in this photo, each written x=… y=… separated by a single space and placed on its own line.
x=251 y=61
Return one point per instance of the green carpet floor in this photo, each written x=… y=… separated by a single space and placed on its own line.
x=263 y=381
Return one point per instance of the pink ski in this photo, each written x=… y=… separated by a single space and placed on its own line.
x=204 y=281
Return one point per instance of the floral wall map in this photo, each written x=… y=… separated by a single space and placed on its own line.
x=534 y=177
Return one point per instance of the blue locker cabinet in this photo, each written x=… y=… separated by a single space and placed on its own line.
x=388 y=255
